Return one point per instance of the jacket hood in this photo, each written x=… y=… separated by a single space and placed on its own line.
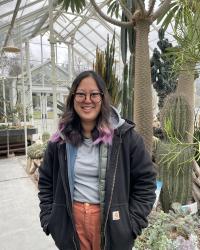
x=117 y=122
x=115 y=118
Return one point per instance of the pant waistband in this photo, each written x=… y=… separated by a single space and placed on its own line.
x=85 y=204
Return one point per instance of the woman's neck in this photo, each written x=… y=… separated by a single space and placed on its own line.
x=87 y=129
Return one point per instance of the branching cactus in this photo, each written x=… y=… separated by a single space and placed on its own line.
x=176 y=118
x=175 y=171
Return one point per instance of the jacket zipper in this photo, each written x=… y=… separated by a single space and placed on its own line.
x=112 y=189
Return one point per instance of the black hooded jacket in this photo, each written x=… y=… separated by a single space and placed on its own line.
x=129 y=192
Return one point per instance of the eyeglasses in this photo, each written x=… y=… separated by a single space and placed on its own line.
x=94 y=96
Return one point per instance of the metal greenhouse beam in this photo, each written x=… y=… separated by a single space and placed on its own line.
x=5 y=1
x=103 y=38
x=28 y=17
x=53 y=64
x=12 y=22
x=61 y=39
x=21 y=8
x=84 y=35
x=43 y=20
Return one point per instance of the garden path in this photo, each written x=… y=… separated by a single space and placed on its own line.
x=19 y=210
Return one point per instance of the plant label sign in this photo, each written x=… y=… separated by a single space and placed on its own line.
x=159 y=185
x=191 y=208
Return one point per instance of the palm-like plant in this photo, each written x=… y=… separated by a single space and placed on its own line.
x=140 y=20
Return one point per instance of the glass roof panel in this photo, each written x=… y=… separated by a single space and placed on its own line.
x=30 y=8
x=57 y=27
x=7 y=6
x=89 y=29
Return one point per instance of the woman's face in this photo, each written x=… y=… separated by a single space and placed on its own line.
x=87 y=100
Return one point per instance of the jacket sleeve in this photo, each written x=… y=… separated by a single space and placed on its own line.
x=45 y=186
x=142 y=186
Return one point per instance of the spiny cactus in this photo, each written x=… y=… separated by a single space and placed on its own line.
x=175 y=171
x=175 y=155
x=176 y=117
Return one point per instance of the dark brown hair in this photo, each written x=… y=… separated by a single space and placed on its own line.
x=70 y=124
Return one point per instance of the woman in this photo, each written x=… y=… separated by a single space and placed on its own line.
x=97 y=183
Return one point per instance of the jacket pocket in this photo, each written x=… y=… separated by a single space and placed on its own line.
x=60 y=227
x=119 y=228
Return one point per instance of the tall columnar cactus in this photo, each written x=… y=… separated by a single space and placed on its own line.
x=174 y=155
x=176 y=117
x=131 y=82
x=128 y=39
x=175 y=171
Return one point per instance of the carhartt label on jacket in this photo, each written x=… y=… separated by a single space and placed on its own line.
x=115 y=215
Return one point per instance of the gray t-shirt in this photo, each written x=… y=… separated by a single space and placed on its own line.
x=86 y=179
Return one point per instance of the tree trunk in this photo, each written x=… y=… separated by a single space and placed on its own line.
x=186 y=88
x=143 y=114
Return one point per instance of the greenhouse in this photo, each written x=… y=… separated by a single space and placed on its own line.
x=147 y=54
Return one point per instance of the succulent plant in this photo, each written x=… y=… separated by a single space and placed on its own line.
x=176 y=230
x=45 y=136
x=36 y=151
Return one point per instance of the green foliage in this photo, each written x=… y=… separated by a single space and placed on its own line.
x=184 y=17
x=176 y=118
x=123 y=40
x=131 y=83
x=45 y=136
x=165 y=231
x=36 y=151
x=75 y=5
x=2 y=126
x=196 y=140
x=188 y=39
x=105 y=66
x=125 y=92
x=113 y=8
x=128 y=40
x=178 y=13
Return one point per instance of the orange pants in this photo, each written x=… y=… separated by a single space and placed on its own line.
x=87 y=222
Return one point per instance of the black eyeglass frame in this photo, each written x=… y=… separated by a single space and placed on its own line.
x=85 y=96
